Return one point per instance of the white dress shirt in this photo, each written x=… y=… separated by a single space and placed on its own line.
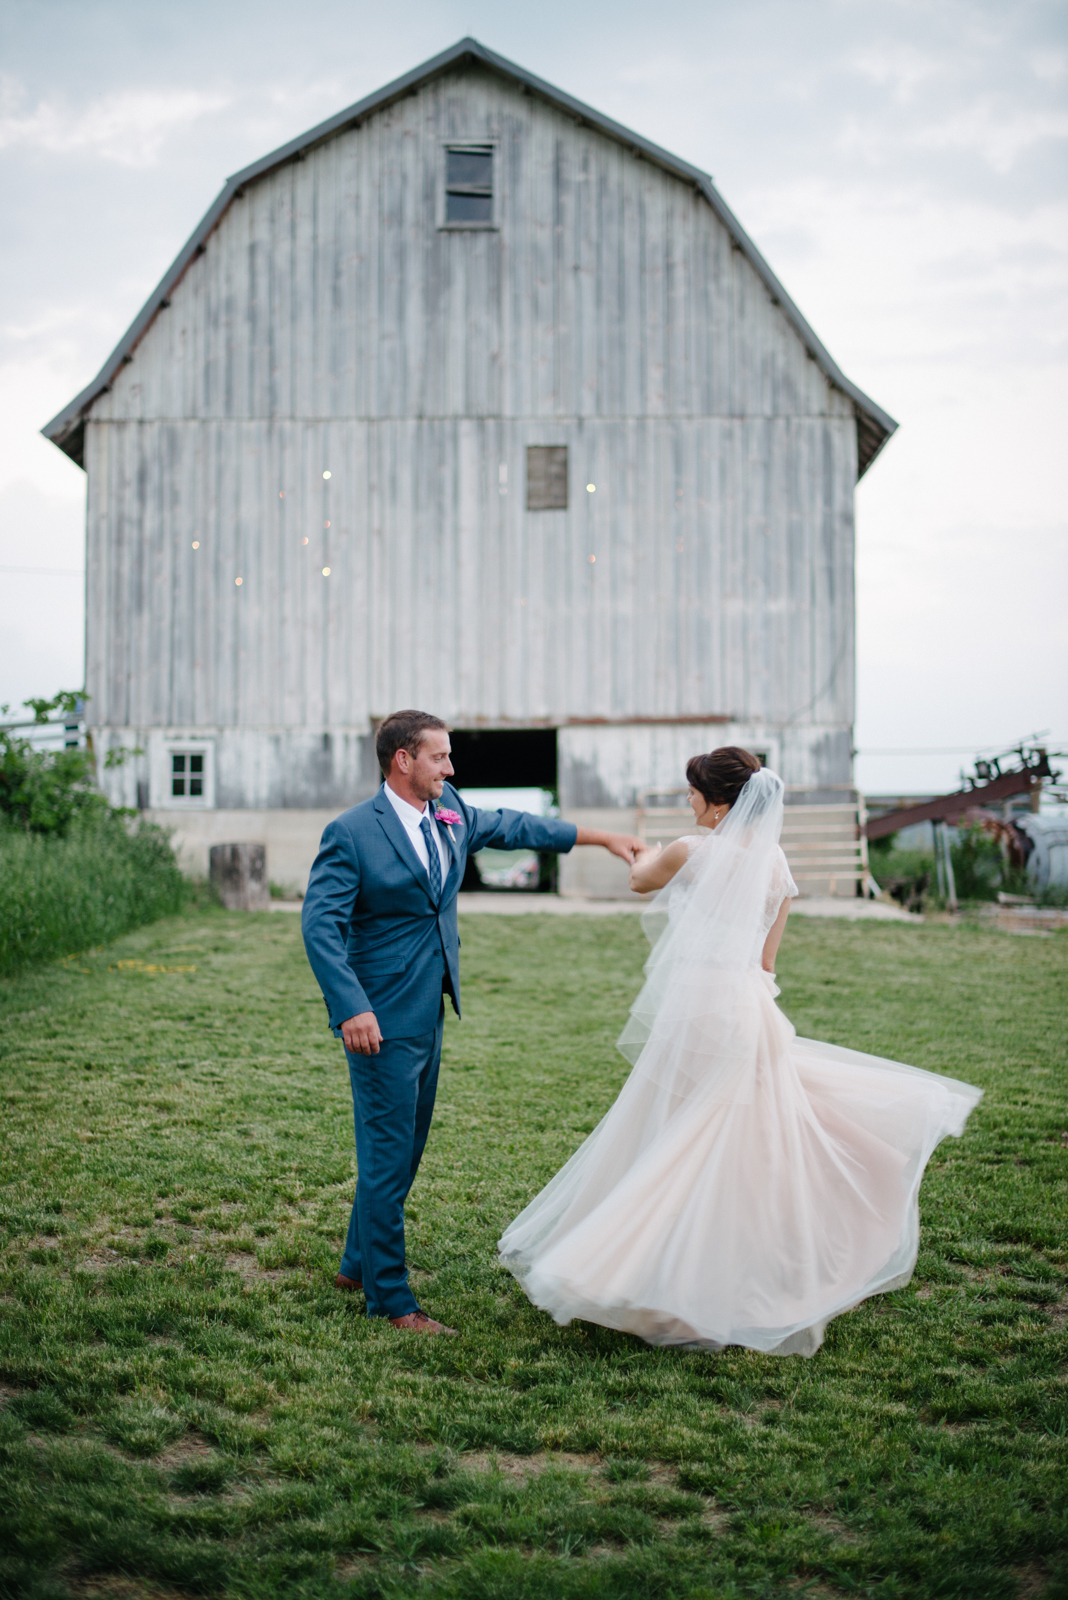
x=412 y=819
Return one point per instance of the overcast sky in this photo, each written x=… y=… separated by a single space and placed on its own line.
x=901 y=164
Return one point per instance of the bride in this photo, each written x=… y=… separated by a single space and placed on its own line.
x=747 y=1185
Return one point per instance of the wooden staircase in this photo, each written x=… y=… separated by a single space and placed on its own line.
x=824 y=844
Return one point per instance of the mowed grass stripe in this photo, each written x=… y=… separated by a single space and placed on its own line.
x=189 y=1407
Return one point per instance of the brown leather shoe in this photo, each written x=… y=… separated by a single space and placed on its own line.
x=341 y=1282
x=419 y=1322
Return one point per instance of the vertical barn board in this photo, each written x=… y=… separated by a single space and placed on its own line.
x=253 y=333
x=171 y=610
x=354 y=668
x=306 y=239
x=98 y=567
x=465 y=677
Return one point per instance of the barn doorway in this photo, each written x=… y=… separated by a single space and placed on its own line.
x=513 y=767
x=504 y=758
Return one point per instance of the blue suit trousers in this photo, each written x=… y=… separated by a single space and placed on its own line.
x=393 y=1102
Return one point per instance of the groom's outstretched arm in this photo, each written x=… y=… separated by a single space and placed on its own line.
x=518 y=830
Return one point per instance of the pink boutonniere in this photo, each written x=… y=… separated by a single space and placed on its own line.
x=449 y=818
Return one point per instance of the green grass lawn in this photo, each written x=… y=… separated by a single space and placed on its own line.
x=190 y=1407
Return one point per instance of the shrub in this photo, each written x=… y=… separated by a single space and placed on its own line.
x=44 y=791
x=60 y=893
x=906 y=875
x=979 y=868
x=73 y=871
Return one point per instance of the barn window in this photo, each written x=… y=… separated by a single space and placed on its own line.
x=183 y=775
x=469 y=186
x=547 y=477
x=187 y=775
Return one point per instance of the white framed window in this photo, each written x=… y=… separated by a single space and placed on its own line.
x=187 y=775
x=183 y=775
x=468 y=191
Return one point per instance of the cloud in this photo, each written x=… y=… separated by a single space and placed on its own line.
x=1049 y=65
x=41 y=611
x=128 y=128
x=902 y=68
x=903 y=273
x=34 y=386
x=999 y=136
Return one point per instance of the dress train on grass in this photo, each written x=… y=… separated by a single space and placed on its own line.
x=747 y=1185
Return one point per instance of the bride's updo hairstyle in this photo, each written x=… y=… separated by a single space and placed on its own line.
x=722 y=774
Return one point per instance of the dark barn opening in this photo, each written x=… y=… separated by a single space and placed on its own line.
x=504 y=758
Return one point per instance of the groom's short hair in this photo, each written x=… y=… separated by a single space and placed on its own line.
x=403 y=730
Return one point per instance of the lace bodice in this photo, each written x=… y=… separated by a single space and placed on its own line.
x=782 y=886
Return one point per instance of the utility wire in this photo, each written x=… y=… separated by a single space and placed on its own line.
x=49 y=572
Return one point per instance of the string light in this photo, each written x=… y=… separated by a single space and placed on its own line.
x=304 y=540
x=239 y=582
x=196 y=544
x=326 y=572
x=326 y=474
x=591 y=488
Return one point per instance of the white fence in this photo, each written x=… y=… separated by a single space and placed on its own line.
x=58 y=733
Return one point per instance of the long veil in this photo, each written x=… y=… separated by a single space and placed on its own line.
x=695 y=1017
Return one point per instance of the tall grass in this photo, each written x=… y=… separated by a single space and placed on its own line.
x=64 y=893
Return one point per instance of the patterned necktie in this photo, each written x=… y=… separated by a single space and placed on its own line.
x=433 y=859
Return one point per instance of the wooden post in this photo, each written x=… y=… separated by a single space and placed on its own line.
x=951 y=887
x=864 y=888
x=239 y=873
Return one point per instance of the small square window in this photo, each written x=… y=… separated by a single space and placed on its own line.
x=469 y=186
x=188 y=777
x=547 y=477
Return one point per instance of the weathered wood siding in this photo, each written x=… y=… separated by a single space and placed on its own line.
x=332 y=326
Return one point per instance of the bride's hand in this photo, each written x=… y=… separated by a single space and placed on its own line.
x=657 y=866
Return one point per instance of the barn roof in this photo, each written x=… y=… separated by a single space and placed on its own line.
x=874 y=426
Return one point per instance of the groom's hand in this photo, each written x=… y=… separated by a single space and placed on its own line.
x=623 y=845
x=362 y=1035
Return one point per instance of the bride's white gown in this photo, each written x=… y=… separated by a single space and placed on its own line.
x=747 y=1185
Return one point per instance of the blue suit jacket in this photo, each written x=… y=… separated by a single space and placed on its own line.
x=375 y=940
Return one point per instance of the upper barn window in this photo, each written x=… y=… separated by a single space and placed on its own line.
x=546 y=477
x=469 y=186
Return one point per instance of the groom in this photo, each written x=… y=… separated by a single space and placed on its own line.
x=379 y=925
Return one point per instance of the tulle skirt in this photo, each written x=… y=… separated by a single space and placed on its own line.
x=706 y=1214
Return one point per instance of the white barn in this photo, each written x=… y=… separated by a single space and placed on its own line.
x=468 y=399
